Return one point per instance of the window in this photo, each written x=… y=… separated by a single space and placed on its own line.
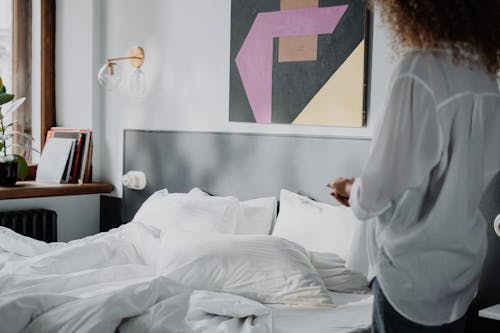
x=6 y=41
x=27 y=54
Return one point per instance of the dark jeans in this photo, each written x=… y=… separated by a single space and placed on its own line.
x=387 y=320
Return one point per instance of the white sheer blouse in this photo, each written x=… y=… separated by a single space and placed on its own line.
x=437 y=149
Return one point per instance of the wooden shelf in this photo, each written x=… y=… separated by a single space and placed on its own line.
x=31 y=189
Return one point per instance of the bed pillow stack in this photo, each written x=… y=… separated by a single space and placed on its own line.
x=199 y=212
x=223 y=244
x=260 y=267
x=326 y=231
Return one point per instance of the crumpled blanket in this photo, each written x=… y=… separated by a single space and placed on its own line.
x=227 y=313
x=108 y=283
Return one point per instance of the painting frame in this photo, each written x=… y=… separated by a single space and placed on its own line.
x=240 y=108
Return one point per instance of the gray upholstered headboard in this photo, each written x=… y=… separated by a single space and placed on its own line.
x=248 y=165
x=240 y=164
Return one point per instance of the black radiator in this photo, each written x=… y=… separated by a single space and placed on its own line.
x=39 y=224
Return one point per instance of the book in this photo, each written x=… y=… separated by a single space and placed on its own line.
x=87 y=177
x=76 y=156
x=84 y=171
x=54 y=159
x=82 y=165
x=69 y=164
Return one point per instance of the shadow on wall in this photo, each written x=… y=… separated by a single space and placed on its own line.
x=489 y=286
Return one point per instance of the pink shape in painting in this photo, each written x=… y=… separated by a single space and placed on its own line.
x=255 y=58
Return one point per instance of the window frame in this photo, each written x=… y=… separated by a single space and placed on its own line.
x=48 y=68
x=22 y=65
x=21 y=71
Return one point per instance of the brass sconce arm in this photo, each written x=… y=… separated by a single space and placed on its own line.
x=136 y=57
x=122 y=58
x=110 y=74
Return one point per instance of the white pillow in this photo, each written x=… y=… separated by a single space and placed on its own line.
x=257 y=216
x=167 y=211
x=317 y=226
x=336 y=276
x=199 y=192
x=254 y=216
x=260 y=267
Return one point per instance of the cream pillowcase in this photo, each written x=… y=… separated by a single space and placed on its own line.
x=260 y=267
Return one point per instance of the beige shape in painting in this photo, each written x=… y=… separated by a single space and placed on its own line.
x=340 y=101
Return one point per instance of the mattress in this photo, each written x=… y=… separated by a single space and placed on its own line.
x=353 y=313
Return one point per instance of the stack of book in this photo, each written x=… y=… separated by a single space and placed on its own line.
x=78 y=162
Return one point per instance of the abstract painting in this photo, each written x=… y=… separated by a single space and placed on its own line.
x=298 y=62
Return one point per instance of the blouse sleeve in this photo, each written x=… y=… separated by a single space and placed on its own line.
x=406 y=147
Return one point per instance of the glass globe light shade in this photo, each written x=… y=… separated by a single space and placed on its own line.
x=137 y=83
x=110 y=76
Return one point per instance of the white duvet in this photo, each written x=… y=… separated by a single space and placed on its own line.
x=108 y=283
x=105 y=283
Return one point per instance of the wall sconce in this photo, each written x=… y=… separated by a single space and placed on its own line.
x=110 y=75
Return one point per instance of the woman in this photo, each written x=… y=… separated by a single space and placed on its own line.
x=437 y=149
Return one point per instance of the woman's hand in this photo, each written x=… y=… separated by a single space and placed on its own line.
x=341 y=189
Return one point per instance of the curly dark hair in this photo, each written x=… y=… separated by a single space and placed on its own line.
x=466 y=27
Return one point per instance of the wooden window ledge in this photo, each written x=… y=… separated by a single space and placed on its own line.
x=31 y=189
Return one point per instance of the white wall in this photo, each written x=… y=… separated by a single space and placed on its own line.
x=187 y=68
x=74 y=76
x=78 y=57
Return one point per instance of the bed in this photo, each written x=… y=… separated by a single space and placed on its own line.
x=220 y=271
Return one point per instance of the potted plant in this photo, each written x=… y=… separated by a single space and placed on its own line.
x=12 y=166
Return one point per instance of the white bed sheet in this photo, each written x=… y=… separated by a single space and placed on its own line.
x=353 y=313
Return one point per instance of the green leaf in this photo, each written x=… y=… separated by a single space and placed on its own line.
x=3 y=90
x=13 y=106
x=11 y=124
x=1 y=146
x=22 y=168
x=6 y=98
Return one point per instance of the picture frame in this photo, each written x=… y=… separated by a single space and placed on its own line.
x=300 y=62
